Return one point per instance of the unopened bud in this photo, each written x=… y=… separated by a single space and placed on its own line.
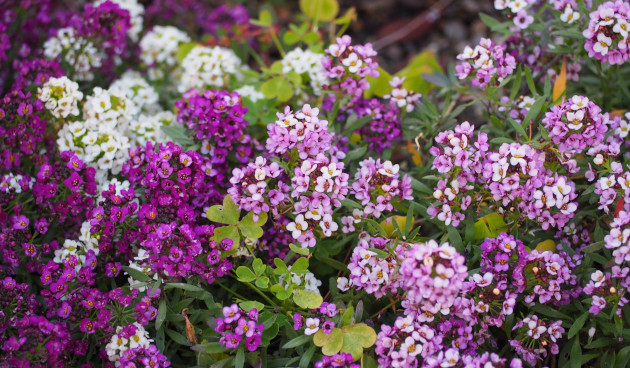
x=535 y=270
x=599 y=159
x=496 y=291
x=613 y=290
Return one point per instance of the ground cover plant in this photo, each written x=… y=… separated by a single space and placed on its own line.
x=191 y=185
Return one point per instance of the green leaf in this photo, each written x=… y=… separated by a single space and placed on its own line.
x=455 y=239
x=300 y=266
x=356 y=338
x=161 y=315
x=245 y=274
x=227 y=232
x=577 y=325
x=299 y=250
x=209 y=348
x=490 y=226
x=518 y=81
x=306 y=357
x=489 y=21
x=277 y=87
x=424 y=63
x=290 y=38
x=346 y=318
x=264 y=20
x=262 y=282
x=250 y=228
x=320 y=10
x=251 y=304
x=534 y=110
x=307 y=299
x=379 y=86
x=354 y=124
x=355 y=154
x=518 y=127
x=239 y=359
x=178 y=338
x=184 y=49
x=333 y=263
x=183 y=286
x=227 y=213
x=281 y=267
x=136 y=274
x=576 y=354
x=178 y=133
x=259 y=267
x=530 y=80
x=330 y=343
x=298 y=341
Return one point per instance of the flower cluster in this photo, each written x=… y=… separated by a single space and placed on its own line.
x=205 y=67
x=536 y=337
x=132 y=336
x=576 y=124
x=60 y=96
x=142 y=95
x=488 y=63
x=607 y=32
x=306 y=62
x=158 y=49
x=459 y=156
x=371 y=272
x=250 y=186
x=432 y=275
x=405 y=343
x=320 y=318
x=401 y=97
x=148 y=127
x=552 y=279
x=347 y=66
x=377 y=184
x=302 y=129
x=339 y=360
x=239 y=328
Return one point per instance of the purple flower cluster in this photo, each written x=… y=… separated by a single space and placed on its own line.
x=607 y=33
x=536 y=338
x=432 y=276
x=488 y=63
x=176 y=188
x=576 y=124
x=370 y=272
x=339 y=360
x=35 y=72
x=348 y=65
x=399 y=345
x=238 y=328
x=608 y=288
x=318 y=318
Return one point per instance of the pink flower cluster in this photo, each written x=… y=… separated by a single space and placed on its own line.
x=552 y=280
x=459 y=156
x=371 y=272
x=302 y=130
x=319 y=185
x=609 y=288
x=250 y=188
x=377 y=184
x=576 y=124
x=488 y=63
x=432 y=276
x=406 y=343
x=348 y=66
x=613 y=188
x=514 y=177
x=607 y=32
x=536 y=337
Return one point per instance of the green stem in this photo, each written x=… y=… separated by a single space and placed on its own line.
x=276 y=41
x=394 y=302
x=261 y=294
x=229 y=290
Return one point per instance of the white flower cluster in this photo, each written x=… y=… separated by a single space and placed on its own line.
x=60 y=96
x=515 y=6
x=118 y=344
x=159 y=46
x=78 y=248
x=102 y=139
x=306 y=62
x=207 y=66
x=10 y=181
x=250 y=92
x=311 y=283
x=136 y=15
x=77 y=52
x=139 y=91
x=149 y=128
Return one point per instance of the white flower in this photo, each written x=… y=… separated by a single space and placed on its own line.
x=575 y=119
x=298 y=226
x=623 y=129
x=330 y=171
x=602 y=44
x=139 y=91
x=352 y=62
x=160 y=46
x=250 y=92
x=312 y=326
x=482 y=281
x=343 y=284
x=328 y=225
x=517 y=5
x=389 y=169
x=309 y=63
x=569 y=16
x=598 y=278
x=314 y=214
x=205 y=67
x=60 y=96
